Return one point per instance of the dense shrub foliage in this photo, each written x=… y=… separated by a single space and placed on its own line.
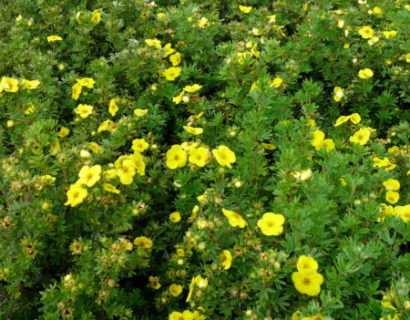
x=204 y=159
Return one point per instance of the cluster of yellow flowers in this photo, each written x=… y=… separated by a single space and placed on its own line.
x=178 y=155
x=182 y=97
x=320 y=142
x=392 y=187
x=12 y=85
x=307 y=280
x=78 y=86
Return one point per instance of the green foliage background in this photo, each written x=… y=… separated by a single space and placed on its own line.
x=361 y=259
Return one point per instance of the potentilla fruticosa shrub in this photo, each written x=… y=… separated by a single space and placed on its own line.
x=190 y=160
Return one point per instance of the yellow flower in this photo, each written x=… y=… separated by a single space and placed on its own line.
x=96 y=17
x=143 y=242
x=303 y=175
x=178 y=99
x=161 y=15
x=112 y=107
x=110 y=188
x=107 y=125
x=224 y=156
x=64 y=132
x=76 y=90
x=171 y=73
x=175 y=217
x=203 y=23
x=307 y=264
x=140 y=112
x=339 y=93
x=391 y=185
x=175 y=59
x=271 y=224
x=186 y=315
x=268 y=146
x=408 y=57
x=30 y=84
x=377 y=10
x=126 y=172
x=366 y=32
x=54 y=38
x=328 y=144
x=153 y=43
x=86 y=82
x=318 y=137
x=9 y=84
x=89 y=175
x=355 y=118
x=199 y=156
x=226 y=259
x=341 y=120
x=390 y=34
x=154 y=282
x=75 y=195
x=392 y=197
x=139 y=145
x=307 y=282
x=245 y=9
x=361 y=136
x=168 y=50
x=403 y=212
x=176 y=157
x=234 y=218
x=365 y=73
x=276 y=83
x=194 y=131
x=383 y=163
x=194 y=88
x=175 y=289
x=84 y=110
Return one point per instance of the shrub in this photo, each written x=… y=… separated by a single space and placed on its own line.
x=204 y=159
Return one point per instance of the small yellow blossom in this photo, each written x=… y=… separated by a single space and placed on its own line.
x=172 y=73
x=338 y=94
x=226 y=259
x=86 y=82
x=193 y=88
x=366 y=32
x=203 y=23
x=30 y=84
x=89 y=175
x=139 y=145
x=391 y=185
x=96 y=17
x=107 y=125
x=303 y=175
x=403 y=212
x=76 y=90
x=140 y=112
x=176 y=157
x=168 y=50
x=110 y=188
x=193 y=130
x=390 y=34
x=271 y=224
x=64 y=132
x=365 y=73
x=186 y=315
x=307 y=282
x=54 y=38
x=175 y=289
x=84 y=110
x=355 y=118
x=306 y=263
x=224 y=156
x=113 y=107
x=143 y=242
x=199 y=156
x=245 y=9
x=234 y=218
x=154 y=282
x=392 y=197
x=175 y=59
x=175 y=217
x=126 y=172
x=362 y=136
x=153 y=43
x=75 y=195
x=276 y=82
x=341 y=120
x=9 y=84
